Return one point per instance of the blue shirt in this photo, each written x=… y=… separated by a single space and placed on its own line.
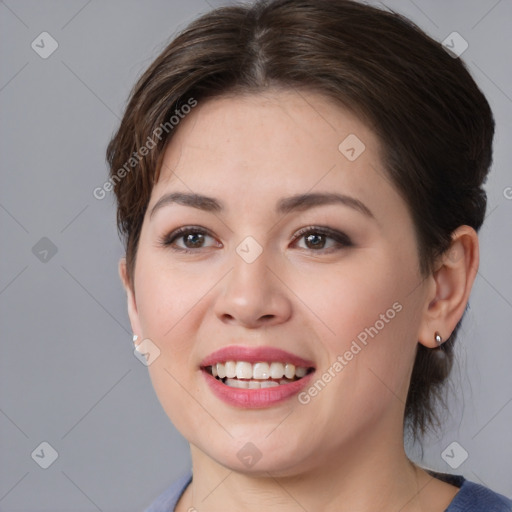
x=472 y=497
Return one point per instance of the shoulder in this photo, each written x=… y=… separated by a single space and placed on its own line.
x=471 y=497
x=474 y=497
x=170 y=497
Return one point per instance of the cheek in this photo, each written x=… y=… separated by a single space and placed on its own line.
x=167 y=298
x=370 y=319
x=170 y=302
x=350 y=297
x=173 y=301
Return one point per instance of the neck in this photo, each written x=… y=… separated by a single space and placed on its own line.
x=364 y=476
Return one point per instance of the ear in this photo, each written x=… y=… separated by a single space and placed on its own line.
x=130 y=295
x=450 y=286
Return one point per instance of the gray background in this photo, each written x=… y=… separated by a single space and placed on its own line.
x=67 y=372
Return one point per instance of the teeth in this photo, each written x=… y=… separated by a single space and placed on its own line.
x=276 y=370
x=230 y=368
x=252 y=384
x=243 y=370
x=300 y=371
x=262 y=371
x=235 y=383
x=221 y=370
x=289 y=370
x=268 y=384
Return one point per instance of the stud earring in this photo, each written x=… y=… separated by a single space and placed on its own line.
x=135 y=338
x=438 y=339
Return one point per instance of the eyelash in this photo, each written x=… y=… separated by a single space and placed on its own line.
x=342 y=240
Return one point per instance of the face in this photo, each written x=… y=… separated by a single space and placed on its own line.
x=275 y=245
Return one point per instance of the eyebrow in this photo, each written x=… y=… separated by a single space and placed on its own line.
x=303 y=202
x=299 y=202
x=207 y=204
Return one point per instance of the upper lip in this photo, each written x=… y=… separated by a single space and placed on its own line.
x=254 y=355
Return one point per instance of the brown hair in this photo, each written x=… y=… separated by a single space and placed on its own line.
x=435 y=125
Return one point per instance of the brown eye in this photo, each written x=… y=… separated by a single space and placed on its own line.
x=189 y=239
x=315 y=241
x=322 y=239
x=193 y=240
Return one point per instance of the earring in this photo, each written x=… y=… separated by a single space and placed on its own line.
x=438 y=339
x=135 y=338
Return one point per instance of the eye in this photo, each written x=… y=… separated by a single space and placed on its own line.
x=189 y=239
x=318 y=239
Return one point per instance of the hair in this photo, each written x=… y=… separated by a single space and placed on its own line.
x=434 y=124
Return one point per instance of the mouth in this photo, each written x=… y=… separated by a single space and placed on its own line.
x=260 y=375
x=255 y=377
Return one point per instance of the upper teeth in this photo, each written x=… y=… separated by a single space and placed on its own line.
x=259 y=371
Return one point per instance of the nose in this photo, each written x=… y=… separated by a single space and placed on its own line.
x=253 y=295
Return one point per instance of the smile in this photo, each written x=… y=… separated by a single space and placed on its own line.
x=244 y=375
x=255 y=377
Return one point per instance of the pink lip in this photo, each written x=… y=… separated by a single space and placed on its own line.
x=254 y=355
x=255 y=398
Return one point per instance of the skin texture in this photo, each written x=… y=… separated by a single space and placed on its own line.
x=344 y=449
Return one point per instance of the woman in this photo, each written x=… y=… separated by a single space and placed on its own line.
x=299 y=184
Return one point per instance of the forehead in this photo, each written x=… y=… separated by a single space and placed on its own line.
x=263 y=146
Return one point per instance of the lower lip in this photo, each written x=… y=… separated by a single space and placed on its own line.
x=255 y=398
